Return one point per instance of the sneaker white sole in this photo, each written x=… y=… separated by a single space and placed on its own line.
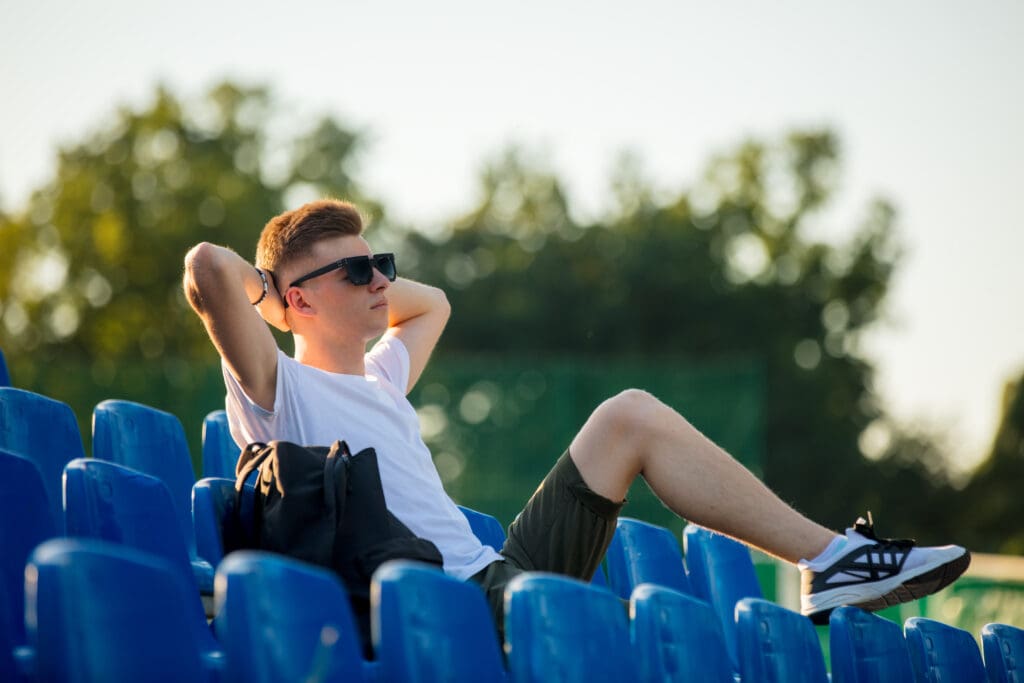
x=904 y=587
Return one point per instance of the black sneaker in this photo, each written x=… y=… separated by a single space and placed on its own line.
x=873 y=573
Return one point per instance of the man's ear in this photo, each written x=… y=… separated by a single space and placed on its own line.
x=298 y=303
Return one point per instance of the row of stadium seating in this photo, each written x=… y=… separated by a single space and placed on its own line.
x=109 y=613
x=102 y=576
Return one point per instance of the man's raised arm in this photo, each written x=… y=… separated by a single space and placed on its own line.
x=222 y=286
x=417 y=314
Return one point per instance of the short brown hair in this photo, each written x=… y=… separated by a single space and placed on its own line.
x=293 y=233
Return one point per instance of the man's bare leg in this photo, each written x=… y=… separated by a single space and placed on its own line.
x=634 y=433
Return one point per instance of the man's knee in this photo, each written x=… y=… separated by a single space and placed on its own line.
x=630 y=413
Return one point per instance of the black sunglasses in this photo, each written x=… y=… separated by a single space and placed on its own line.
x=358 y=268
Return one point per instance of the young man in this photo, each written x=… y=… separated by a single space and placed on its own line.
x=316 y=276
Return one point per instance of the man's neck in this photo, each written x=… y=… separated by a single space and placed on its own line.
x=340 y=359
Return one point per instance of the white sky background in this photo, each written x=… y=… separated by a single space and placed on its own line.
x=927 y=97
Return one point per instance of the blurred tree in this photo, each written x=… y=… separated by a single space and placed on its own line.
x=911 y=484
x=90 y=271
x=992 y=505
x=726 y=269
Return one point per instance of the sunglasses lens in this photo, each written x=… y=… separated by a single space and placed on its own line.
x=385 y=263
x=359 y=270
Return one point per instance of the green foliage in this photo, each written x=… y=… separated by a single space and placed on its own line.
x=993 y=496
x=725 y=270
x=496 y=422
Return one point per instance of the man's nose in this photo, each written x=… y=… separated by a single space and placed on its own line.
x=379 y=281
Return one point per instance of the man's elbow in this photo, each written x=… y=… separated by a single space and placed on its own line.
x=201 y=256
x=442 y=305
x=200 y=267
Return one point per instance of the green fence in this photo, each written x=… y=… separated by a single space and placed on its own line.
x=496 y=424
x=187 y=390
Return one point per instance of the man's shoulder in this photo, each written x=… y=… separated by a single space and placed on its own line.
x=389 y=360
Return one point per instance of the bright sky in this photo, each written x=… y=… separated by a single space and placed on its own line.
x=927 y=96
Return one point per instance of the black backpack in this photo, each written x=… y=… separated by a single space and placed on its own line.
x=326 y=506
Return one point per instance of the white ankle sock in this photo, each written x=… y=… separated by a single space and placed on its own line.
x=825 y=557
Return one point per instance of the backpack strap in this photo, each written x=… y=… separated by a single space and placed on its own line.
x=248 y=517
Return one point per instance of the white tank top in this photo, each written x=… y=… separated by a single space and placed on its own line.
x=313 y=407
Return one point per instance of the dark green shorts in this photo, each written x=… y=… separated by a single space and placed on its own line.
x=565 y=528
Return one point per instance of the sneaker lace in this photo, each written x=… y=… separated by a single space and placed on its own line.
x=866 y=528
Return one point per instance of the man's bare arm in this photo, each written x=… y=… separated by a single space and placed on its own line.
x=221 y=287
x=417 y=314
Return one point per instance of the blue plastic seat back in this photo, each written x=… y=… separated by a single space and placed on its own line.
x=866 y=648
x=8 y=666
x=940 y=652
x=644 y=553
x=490 y=532
x=615 y=565
x=777 y=645
x=428 y=627
x=218 y=527
x=284 y=620
x=43 y=430
x=220 y=453
x=112 y=503
x=600 y=578
x=677 y=637
x=5 y=377
x=28 y=523
x=150 y=441
x=560 y=629
x=485 y=527
x=99 y=612
x=1004 y=653
x=720 y=572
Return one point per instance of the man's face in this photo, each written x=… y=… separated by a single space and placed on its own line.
x=330 y=302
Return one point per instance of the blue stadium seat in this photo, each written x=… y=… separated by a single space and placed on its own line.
x=560 y=629
x=106 y=501
x=1004 y=653
x=217 y=526
x=101 y=612
x=284 y=620
x=490 y=532
x=940 y=652
x=31 y=523
x=153 y=442
x=485 y=527
x=9 y=670
x=600 y=579
x=677 y=637
x=721 y=573
x=5 y=377
x=866 y=648
x=615 y=565
x=644 y=553
x=46 y=432
x=220 y=454
x=777 y=645
x=429 y=627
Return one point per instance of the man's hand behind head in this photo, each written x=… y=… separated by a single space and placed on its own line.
x=272 y=307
